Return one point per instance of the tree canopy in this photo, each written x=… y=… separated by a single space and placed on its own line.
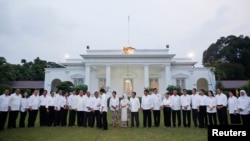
x=229 y=58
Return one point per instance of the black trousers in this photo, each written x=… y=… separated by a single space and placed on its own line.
x=212 y=118
x=64 y=115
x=22 y=119
x=135 y=118
x=57 y=117
x=32 y=118
x=147 y=119
x=203 y=116
x=12 y=119
x=235 y=119
x=157 y=117
x=186 y=116
x=178 y=114
x=195 y=115
x=97 y=118
x=72 y=117
x=245 y=119
x=104 y=120
x=42 y=116
x=3 y=118
x=80 y=117
x=167 y=116
x=51 y=116
x=222 y=116
x=88 y=119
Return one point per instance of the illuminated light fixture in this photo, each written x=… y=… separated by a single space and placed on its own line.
x=128 y=50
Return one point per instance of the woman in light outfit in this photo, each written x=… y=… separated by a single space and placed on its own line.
x=124 y=105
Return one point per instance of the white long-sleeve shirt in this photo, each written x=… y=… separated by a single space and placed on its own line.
x=59 y=99
x=134 y=104
x=167 y=102
x=211 y=102
x=243 y=103
x=114 y=102
x=34 y=102
x=4 y=102
x=147 y=102
x=157 y=99
x=50 y=101
x=104 y=106
x=233 y=105
x=202 y=100
x=72 y=101
x=176 y=102
x=80 y=103
x=96 y=102
x=42 y=99
x=24 y=104
x=65 y=102
x=88 y=104
x=221 y=99
x=15 y=102
x=185 y=101
x=194 y=101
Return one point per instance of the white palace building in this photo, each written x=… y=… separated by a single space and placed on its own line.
x=121 y=71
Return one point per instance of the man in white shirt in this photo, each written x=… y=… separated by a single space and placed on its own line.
x=80 y=108
x=50 y=107
x=202 y=109
x=134 y=108
x=96 y=102
x=42 y=108
x=33 y=108
x=186 y=108
x=88 y=108
x=157 y=99
x=59 y=97
x=23 y=109
x=194 y=103
x=4 y=104
x=72 y=108
x=176 y=108
x=104 y=109
x=147 y=107
x=221 y=100
x=14 y=107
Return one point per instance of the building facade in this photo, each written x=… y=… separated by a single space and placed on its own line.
x=115 y=70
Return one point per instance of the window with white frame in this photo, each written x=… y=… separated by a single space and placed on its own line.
x=78 y=81
x=181 y=82
x=102 y=83
x=154 y=83
x=128 y=85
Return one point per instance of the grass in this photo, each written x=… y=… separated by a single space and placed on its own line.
x=112 y=134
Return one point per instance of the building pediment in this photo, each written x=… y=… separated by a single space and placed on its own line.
x=180 y=75
x=77 y=76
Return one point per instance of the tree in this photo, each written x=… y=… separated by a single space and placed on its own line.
x=229 y=58
x=4 y=87
x=81 y=87
x=65 y=86
x=171 y=88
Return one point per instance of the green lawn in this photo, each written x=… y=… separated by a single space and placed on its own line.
x=112 y=134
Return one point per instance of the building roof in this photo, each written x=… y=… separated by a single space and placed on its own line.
x=233 y=83
x=26 y=84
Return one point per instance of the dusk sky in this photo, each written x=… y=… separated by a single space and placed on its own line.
x=51 y=29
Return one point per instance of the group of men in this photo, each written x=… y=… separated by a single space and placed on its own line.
x=86 y=109
x=53 y=108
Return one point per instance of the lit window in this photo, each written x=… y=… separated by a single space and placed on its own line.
x=102 y=83
x=78 y=81
x=128 y=86
x=153 y=83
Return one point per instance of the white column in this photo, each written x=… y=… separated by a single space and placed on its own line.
x=87 y=75
x=108 y=75
x=168 y=75
x=146 y=76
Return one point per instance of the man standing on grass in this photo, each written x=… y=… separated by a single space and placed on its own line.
x=42 y=108
x=33 y=108
x=134 y=108
x=176 y=108
x=157 y=99
x=147 y=107
x=194 y=103
x=14 y=107
x=72 y=108
x=104 y=109
x=221 y=100
x=186 y=109
x=4 y=103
